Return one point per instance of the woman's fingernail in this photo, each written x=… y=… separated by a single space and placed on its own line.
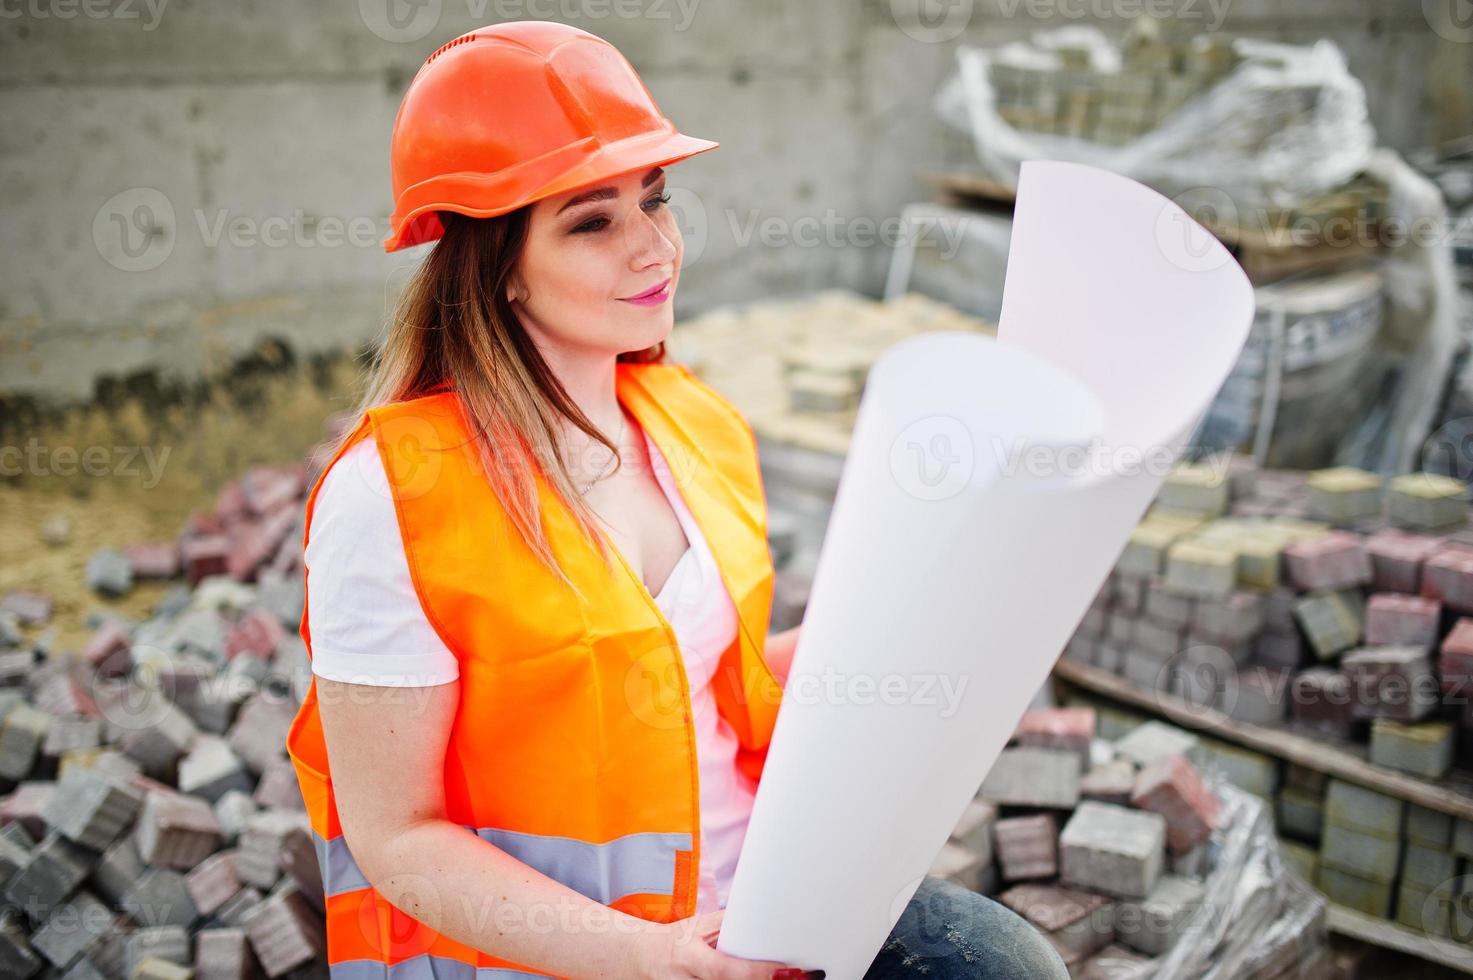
x=788 y=973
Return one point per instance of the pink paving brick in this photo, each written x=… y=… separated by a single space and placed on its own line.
x=267 y=488
x=1071 y=729
x=1455 y=660
x=1336 y=561
x=31 y=608
x=106 y=646
x=158 y=559
x=1027 y=847
x=204 y=556
x=1398 y=619
x=257 y=632
x=230 y=503
x=24 y=806
x=1171 y=787
x=1448 y=576
x=254 y=543
x=1397 y=558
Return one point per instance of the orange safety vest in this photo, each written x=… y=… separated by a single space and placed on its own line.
x=573 y=747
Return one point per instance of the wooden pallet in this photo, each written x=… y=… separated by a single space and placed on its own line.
x=1340 y=759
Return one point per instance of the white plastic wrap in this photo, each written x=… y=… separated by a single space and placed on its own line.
x=1257 y=919
x=1287 y=123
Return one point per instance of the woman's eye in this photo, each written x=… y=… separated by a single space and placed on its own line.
x=597 y=224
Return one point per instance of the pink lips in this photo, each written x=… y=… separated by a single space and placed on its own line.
x=651 y=297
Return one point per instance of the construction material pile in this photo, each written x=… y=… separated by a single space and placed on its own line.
x=1276 y=129
x=1333 y=604
x=796 y=367
x=153 y=828
x=1129 y=862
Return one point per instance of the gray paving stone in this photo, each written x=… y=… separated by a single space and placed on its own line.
x=1034 y=777
x=1156 y=923
x=91 y=807
x=1112 y=849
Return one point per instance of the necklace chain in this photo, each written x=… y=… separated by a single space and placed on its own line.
x=623 y=427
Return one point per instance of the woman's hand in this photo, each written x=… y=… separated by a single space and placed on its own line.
x=779 y=652
x=686 y=949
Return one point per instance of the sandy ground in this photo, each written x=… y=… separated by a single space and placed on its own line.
x=145 y=472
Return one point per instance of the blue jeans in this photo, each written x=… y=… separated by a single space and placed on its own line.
x=948 y=932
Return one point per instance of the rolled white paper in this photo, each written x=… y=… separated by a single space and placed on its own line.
x=989 y=488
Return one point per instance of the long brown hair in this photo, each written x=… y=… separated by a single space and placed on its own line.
x=453 y=323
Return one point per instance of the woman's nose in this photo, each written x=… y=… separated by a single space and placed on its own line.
x=650 y=240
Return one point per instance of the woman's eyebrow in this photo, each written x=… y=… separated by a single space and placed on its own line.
x=604 y=193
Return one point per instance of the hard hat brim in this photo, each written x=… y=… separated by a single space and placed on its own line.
x=481 y=195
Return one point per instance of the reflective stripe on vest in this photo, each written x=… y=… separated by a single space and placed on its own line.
x=339 y=868
x=629 y=865
x=424 y=967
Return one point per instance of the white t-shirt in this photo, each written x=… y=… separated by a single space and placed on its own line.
x=368 y=628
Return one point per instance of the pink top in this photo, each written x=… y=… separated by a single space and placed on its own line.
x=368 y=628
x=701 y=611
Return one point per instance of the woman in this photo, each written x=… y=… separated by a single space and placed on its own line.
x=537 y=572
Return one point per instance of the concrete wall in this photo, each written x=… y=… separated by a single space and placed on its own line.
x=182 y=178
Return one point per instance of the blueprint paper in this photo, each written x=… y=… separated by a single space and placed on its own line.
x=989 y=488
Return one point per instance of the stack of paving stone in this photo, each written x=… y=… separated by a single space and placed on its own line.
x=152 y=827
x=1332 y=600
x=1379 y=854
x=796 y=369
x=1363 y=849
x=1111 y=851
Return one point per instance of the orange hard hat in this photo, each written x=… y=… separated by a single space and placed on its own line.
x=512 y=113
